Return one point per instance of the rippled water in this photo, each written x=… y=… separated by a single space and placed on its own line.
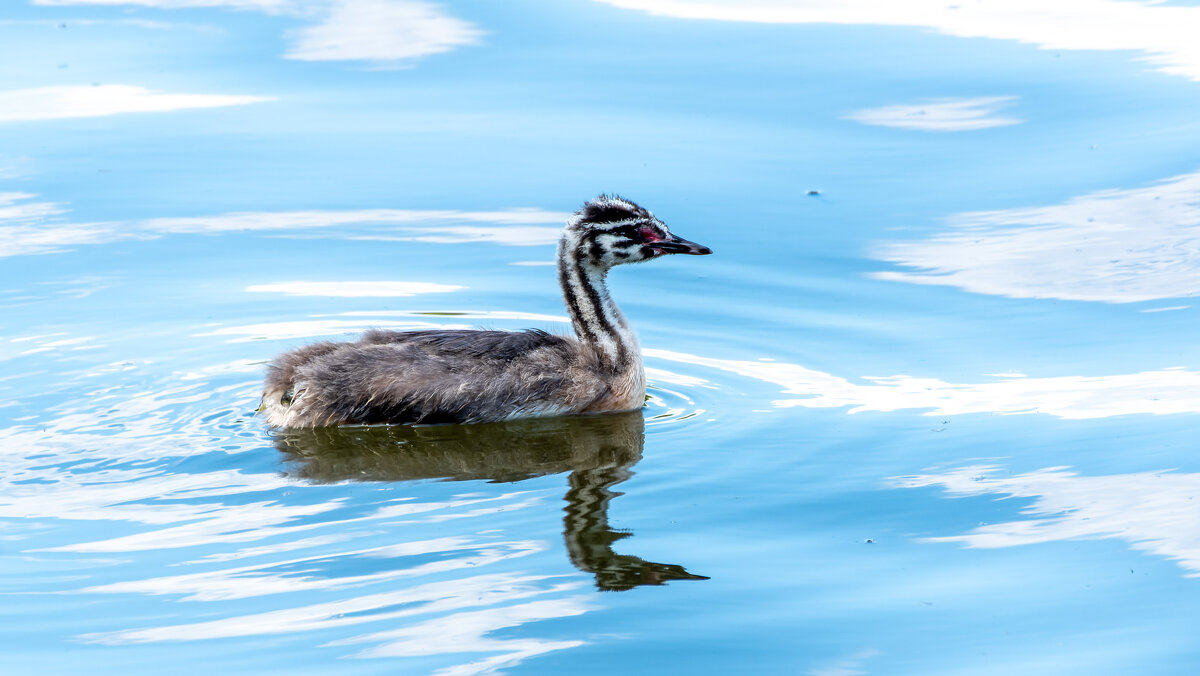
x=930 y=408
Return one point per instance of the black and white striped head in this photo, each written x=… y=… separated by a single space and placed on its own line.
x=610 y=231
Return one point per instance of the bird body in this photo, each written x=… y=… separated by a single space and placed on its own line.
x=456 y=376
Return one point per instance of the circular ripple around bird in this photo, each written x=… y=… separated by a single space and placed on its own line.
x=666 y=405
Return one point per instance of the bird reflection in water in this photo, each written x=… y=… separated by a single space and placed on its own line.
x=598 y=451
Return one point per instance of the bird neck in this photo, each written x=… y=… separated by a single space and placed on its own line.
x=595 y=316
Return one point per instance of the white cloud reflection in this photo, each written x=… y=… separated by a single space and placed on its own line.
x=1165 y=35
x=465 y=611
x=941 y=114
x=12 y=209
x=1115 y=246
x=467 y=632
x=238 y=366
x=278 y=577
x=380 y=31
x=1154 y=511
x=30 y=227
x=1074 y=397
x=31 y=490
x=454 y=604
x=52 y=103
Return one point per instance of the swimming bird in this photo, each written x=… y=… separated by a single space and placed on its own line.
x=464 y=376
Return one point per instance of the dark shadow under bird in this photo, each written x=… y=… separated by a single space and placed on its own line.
x=598 y=451
x=446 y=376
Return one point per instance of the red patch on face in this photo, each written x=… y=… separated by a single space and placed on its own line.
x=648 y=235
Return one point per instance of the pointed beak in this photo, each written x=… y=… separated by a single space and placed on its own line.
x=679 y=245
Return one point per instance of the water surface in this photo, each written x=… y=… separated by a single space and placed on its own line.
x=929 y=409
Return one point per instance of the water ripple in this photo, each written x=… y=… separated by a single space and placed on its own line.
x=148 y=462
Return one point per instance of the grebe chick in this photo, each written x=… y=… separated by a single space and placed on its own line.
x=426 y=377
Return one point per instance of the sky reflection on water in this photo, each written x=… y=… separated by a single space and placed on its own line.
x=1074 y=397
x=951 y=313
x=941 y=115
x=208 y=510
x=1162 y=32
x=1153 y=511
x=37 y=228
x=1115 y=246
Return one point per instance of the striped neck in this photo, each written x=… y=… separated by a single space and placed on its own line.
x=597 y=319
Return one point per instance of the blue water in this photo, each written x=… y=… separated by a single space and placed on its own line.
x=929 y=409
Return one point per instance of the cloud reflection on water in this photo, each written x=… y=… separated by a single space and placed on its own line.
x=59 y=102
x=380 y=31
x=29 y=227
x=440 y=596
x=940 y=114
x=1164 y=34
x=316 y=572
x=1075 y=397
x=464 y=612
x=468 y=632
x=1154 y=511
x=1114 y=246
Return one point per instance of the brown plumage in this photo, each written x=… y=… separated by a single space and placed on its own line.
x=449 y=376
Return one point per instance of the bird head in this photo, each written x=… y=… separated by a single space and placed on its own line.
x=611 y=230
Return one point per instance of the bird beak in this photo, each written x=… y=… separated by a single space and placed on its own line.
x=679 y=245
